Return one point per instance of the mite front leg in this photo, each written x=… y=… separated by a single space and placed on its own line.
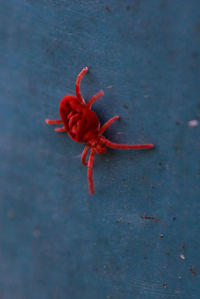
x=89 y=173
x=53 y=122
x=77 y=85
x=60 y=129
x=94 y=98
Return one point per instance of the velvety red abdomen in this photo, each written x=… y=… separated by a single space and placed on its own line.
x=79 y=121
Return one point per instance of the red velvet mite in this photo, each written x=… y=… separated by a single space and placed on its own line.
x=82 y=125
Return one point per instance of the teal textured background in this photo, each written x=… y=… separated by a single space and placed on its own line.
x=56 y=241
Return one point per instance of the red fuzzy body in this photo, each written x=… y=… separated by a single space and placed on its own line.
x=80 y=122
x=82 y=125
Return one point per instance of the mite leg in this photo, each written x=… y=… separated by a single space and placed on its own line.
x=94 y=98
x=60 y=129
x=84 y=154
x=78 y=81
x=126 y=146
x=53 y=122
x=89 y=173
x=108 y=123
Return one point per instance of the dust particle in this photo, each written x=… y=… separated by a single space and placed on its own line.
x=182 y=256
x=108 y=8
x=11 y=214
x=193 y=123
x=164 y=285
x=192 y=271
x=36 y=233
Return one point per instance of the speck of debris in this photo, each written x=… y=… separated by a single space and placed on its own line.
x=164 y=285
x=125 y=106
x=128 y=7
x=150 y=218
x=177 y=148
x=182 y=256
x=161 y=236
x=131 y=158
x=167 y=253
x=145 y=256
x=11 y=214
x=36 y=233
x=192 y=271
x=118 y=220
x=160 y=163
x=193 y=123
x=108 y=8
x=177 y=122
x=183 y=245
x=174 y=218
x=179 y=277
x=110 y=86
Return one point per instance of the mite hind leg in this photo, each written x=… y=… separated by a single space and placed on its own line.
x=108 y=123
x=60 y=129
x=89 y=172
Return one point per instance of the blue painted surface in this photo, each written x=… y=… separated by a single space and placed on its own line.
x=56 y=241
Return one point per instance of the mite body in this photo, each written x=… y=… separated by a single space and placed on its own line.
x=82 y=125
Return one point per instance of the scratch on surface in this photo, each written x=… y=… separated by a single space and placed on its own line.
x=150 y=218
x=154 y=287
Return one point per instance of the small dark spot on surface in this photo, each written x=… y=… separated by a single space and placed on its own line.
x=195 y=55
x=36 y=233
x=118 y=221
x=161 y=236
x=198 y=27
x=160 y=163
x=145 y=256
x=142 y=179
x=125 y=106
x=131 y=158
x=183 y=245
x=192 y=271
x=177 y=148
x=163 y=4
x=174 y=218
x=59 y=174
x=128 y=7
x=11 y=214
x=167 y=253
x=108 y=8
x=178 y=123
x=152 y=186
